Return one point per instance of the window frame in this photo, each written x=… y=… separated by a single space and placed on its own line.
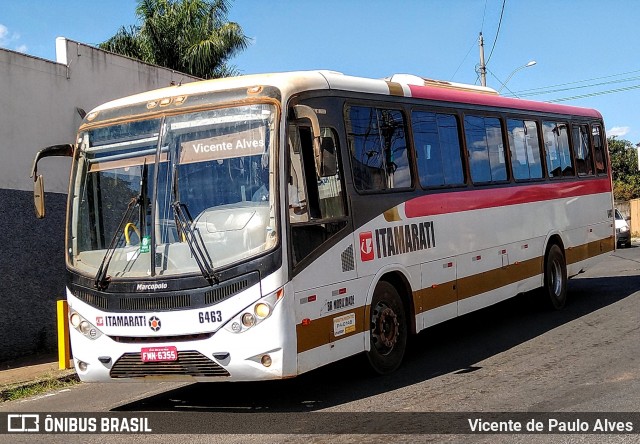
x=567 y=123
x=461 y=150
x=524 y=119
x=579 y=126
x=603 y=146
x=507 y=160
x=409 y=148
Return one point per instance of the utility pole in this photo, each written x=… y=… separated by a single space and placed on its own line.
x=482 y=68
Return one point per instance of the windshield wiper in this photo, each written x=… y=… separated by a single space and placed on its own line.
x=101 y=280
x=184 y=228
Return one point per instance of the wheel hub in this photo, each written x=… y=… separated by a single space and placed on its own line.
x=385 y=328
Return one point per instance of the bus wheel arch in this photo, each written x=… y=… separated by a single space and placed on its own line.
x=388 y=318
x=554 y=287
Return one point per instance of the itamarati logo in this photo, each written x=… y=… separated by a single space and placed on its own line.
x=152 y=286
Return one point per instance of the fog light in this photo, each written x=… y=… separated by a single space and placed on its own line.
x=82 y=366
x=85 y=327
x=75 y=320
x=236 y=327
x=262 y=310
x=266 y=360
x=248 y=320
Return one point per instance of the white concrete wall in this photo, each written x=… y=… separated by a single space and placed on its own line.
x=39 y=99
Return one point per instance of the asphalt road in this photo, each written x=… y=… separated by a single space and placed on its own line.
x=512 y=357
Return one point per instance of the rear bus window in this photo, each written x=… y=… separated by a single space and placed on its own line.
x=598 y=149
x=437 y=148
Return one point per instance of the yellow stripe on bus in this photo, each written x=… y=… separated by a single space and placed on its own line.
x=319 y=331
x=395 y=89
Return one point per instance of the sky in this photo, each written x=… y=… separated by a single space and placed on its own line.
x=586 y=51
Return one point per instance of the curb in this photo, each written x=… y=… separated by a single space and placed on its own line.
x=60 y=377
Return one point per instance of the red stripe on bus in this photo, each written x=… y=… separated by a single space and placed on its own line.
x=471 y=98
x=443 y=203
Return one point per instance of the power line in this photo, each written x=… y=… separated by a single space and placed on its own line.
x=465 y=58
x=599 y=93
x=546 y=88
x=591 y=85
x=484 y=13
x=497 y=32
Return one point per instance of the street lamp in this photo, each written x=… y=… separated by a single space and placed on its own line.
x=504 y=85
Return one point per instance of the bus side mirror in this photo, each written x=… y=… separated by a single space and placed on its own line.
x=306 y=112
x=38 y=184
x=38 y=196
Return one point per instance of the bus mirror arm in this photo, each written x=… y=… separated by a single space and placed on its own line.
x=65 y=150
x=306 y=112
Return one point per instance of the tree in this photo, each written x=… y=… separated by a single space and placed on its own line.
x=624 y=168
x=190 y=36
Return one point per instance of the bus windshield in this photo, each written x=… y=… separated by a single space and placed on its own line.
x=197 y=187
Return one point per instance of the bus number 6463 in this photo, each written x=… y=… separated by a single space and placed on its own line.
x=210 y=316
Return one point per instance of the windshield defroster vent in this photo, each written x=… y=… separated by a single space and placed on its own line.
x=186 y=299
x=225 y=291
x=92 y=299
x=156 y=303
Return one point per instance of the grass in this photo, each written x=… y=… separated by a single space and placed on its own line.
x=45 y=385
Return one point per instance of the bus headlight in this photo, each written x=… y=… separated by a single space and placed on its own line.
x=248 y=320
x=74 y=319
x=83 y=326
x=255 y=313
x=262 y=310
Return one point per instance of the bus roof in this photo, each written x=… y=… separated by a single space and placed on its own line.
x=403 y=85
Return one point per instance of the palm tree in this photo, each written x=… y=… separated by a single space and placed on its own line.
x=191 y=36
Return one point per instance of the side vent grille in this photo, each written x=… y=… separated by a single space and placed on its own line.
x=221 y=293
x=347 y=259
x=156 y=303
x=92 y=299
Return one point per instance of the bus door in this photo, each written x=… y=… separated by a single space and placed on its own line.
x=321 y=250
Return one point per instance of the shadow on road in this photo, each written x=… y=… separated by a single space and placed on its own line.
x=454 y=347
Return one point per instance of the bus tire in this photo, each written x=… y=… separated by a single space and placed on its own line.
x=555 y=277
x=387 y=329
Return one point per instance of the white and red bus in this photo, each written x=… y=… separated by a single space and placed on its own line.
x=262 y=226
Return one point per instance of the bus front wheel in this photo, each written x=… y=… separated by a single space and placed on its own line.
x=555 y=277
x=388 y=329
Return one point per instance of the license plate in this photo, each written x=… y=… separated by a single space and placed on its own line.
x=159 y=354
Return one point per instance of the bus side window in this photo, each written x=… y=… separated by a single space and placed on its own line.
x=486 y=149
x=598 y=148
x=525 y=149
x=582 y=148
x=378 y=147
x=557 y=150
x=438 y=149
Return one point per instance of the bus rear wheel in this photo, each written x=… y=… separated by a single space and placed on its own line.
x=388 y=329
x=555 y=277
